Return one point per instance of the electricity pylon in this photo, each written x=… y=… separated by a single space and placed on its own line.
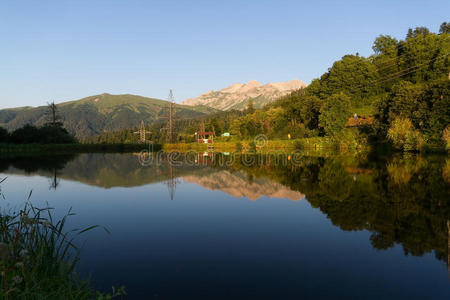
x=170 y=127
x=142 y=133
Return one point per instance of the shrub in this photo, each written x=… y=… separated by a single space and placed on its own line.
x=404 y=136
x=48 y=134
x=446 y=137
x=28 y=134
x=352 y=139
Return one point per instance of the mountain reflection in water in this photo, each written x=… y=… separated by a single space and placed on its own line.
x=402 y=200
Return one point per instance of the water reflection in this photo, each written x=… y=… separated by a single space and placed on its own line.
x=401 y=200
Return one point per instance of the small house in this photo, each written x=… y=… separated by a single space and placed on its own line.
x=204 y=137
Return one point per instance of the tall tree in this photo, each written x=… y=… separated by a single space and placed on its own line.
x=354 y=75
x=250 y=107
x=53 y=118
x=4 y=135
x=445 y=28
x=335 y=113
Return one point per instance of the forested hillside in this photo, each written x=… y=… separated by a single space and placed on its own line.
x=401 y=93
x=97 y=114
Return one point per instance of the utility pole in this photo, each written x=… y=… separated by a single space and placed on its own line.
x=170 y=128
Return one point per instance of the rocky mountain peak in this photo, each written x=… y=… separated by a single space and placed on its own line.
x=236 y=96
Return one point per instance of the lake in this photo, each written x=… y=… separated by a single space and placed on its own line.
x=221 y=226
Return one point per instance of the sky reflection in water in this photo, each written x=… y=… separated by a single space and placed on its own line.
x=327 y=227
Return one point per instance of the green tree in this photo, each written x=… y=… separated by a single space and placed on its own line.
x=335 y=113
x=424 y=57
x=385 y=45
x=354 y=75
x=386 y=52
x=426 y=106
x=51 y=134
x=403 y=135
x=250 y=107
x=235 y=128
x=4 y=135
x=445 y=28
x=215 y=126
x=310 y=111
x=435 y=109
x=28 y=134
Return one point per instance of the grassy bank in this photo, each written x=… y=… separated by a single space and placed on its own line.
x=75 y=148
x=38 y=257
x=316 y=143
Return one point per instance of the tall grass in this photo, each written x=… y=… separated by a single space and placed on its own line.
x=38 y=257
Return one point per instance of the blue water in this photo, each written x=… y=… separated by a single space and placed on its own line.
x=209 y=244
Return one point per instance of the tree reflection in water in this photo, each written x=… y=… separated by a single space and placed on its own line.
x=401 y=200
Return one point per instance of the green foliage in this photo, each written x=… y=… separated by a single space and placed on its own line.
x=335 y=113
x=354 y=75
x=446 y=137
x=444 y=28
x=124 y=136
x=38 y=257
x=427 y=106
x=28 y=134
x=424 y=57
x=385 y=45
x=4 y=135
x=403 y=78
x=47 y=134
x=403 y=135
x=250 y=107
x=214 y=126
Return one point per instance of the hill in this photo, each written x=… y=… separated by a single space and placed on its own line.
x=237 y=96
x=96 y=114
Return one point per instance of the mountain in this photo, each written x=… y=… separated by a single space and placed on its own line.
x=96 y=114
x=237 y=96
x=119 y=170
x=236 y=184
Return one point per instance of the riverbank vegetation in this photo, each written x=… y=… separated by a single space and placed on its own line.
x=38 y=257
x=29 y=134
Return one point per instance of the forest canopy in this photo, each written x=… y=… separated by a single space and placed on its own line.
x=402 y=82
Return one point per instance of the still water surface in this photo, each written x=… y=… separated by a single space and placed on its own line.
x=317 y=228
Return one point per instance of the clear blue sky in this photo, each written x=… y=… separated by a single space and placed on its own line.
x=66 y=50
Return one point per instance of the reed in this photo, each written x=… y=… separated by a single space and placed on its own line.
x=38 y=257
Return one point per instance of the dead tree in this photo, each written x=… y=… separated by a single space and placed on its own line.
x=53 y=117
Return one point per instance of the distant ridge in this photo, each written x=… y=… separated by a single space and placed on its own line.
x=99 y=113
x=237 y=95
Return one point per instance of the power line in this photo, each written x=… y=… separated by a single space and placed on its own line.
x=393 y=59
x=396 y=58
x=403 y=73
